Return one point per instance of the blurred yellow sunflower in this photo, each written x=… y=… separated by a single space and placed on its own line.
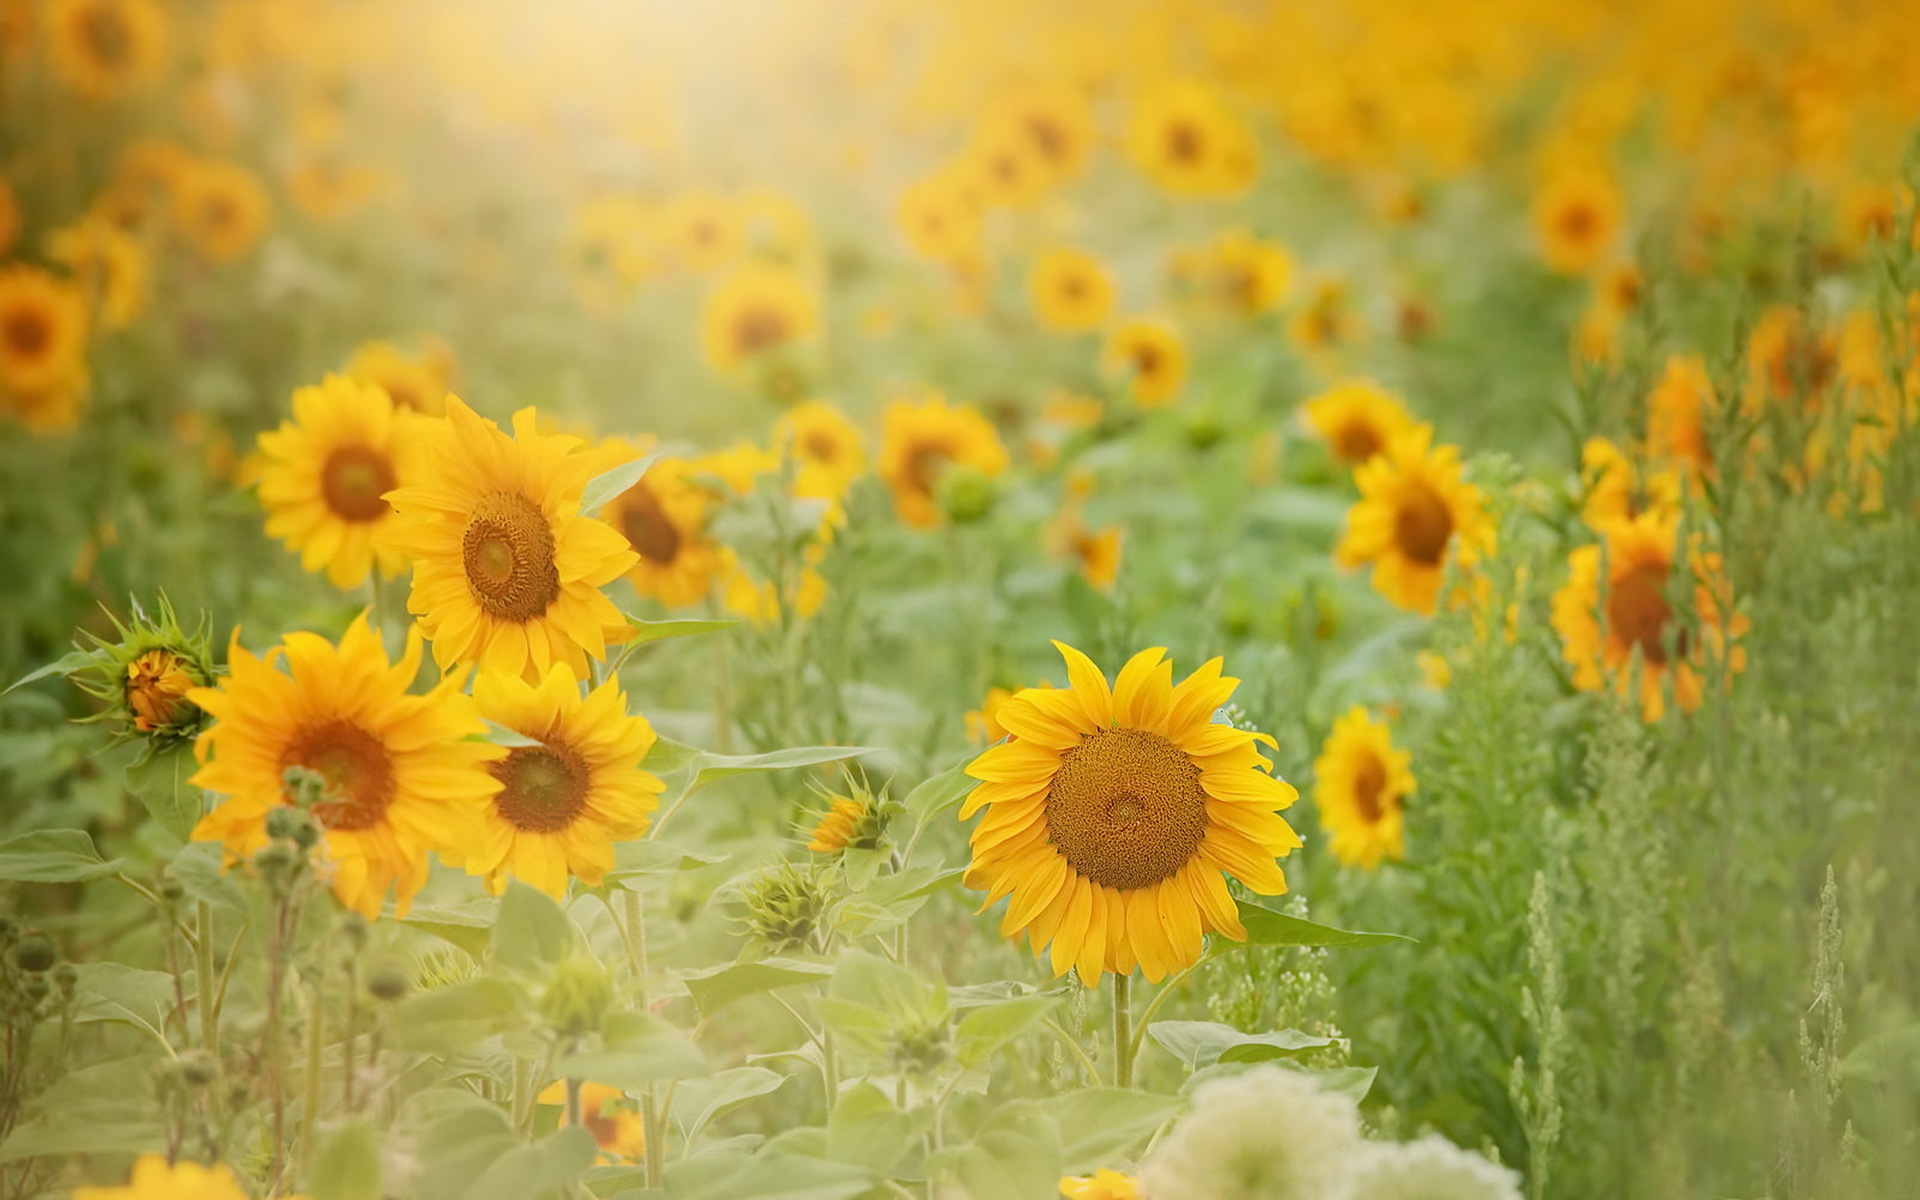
x=507 y=570
x=404 y=775
x=221 y=209
x=1360 y=785
x=1248 y=275
x=1358 y=418
x=826 y=448
x=416 y=382
x=1327 y=321
x=1101 y=1185
x=1112 y=814
x=563 y=803
x=1185 y=140
x=616 y=1125
x=154 y=1178
x=109 y=266
x=105 y=48
x=1787 y=360
x=1149 y=354
x=663 y=516
x=921 y=440
x=705 y=230
x=1616 y=489
x=1007 y=168
x=983 y=723
x=9 y=217
x=1604 y=629
x=1577 y=216
x=1054 y=122
x=324 y=475
x=1415 y=510
x=939 y=219
x=755 y=311
x=1677 y=411
x=1071 y=290
x=1095 y=552
x=43 y=330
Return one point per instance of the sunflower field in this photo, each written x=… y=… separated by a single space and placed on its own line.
x=959 y=599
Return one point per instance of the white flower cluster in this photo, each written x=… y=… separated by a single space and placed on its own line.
x=1273 y=1134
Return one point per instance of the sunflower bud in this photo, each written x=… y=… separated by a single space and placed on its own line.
x=1204 y=431
x=856 y=822
x=198 y=1068
x=967 y=495
x=920 y=1046
x=786 y=906
x=35 y=954
x=577 y=996
x=143 y=675
x=388 y=983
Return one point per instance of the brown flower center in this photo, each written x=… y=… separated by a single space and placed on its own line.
x=1638 y=612
x=353 y=481
x=1578 y=221
x=508 y=552
x=356 y=767
x=218 y=212
x=1185 y=142
x=543 y=788
x=106 y=35
x=760 y=328
x=1356 y=441
x=29 y=332
x=649 y=530
x=1047 y=137
x=1368 y=782
x=1126 y=808
x=924 y=464
x=1422 y=525
x=820 y=447
x=1147 y=360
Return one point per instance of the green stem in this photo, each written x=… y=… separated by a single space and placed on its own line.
x=207 y=984
x=1073 y=1045
x=1153 y=1006
x=1123 y=1031
x=310 y=1101
x=635 y=936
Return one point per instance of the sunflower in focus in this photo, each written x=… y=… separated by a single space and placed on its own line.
x=43 y=331
x=404 y=774
x=921 y=440
x=1617 y=608
x=1149 y=354
x=756 y=311
x=616 y=1125
x=940 y=219
x=1071 y=290
x=826 y=448
x=848 y=823
x=324 y=476
x=106 y=48
x=417 y=382
x=109 y=266
x=1577 y=215
x=1101 y=1185
x=1415 y=510
x=1114 y=812
x=663 y=516
x=1615 y=489
x=221 y=209
x=1677 y=410
x=1358 y=419
x=507 y=570
x=154 y=1178
x=563 y=803
x=1360 y=787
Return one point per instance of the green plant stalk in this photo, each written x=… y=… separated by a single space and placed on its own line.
x=634 y=929
x=522 y=1093
x=310 y=1099
x=1073 y=1046
x=1123 y=1045
x=1153 y=1006
x=350 y=1036
x=209 y=991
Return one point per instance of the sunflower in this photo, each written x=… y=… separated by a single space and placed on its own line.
x=154 y=1178
x=55 y=408
x=1007 y=169
x=983 y=723
x=706 y=230
x=108 y=264
x=757 y=310
x=826 y=448
x=939 y=219
x=1677 y=410
x=663 y=516
x=323 y=476
x=846 y=823
x=507 y=571
x=921 y=440
x=1186 y=141
x=1150 y=355
x=106 y=48
x=1414 y=511
x=1603 y=635
x=222 y=209
x=1577 y=215
x=1113 y=813
x=417 y=382
x=1071 y=290
x=764 y=601
x=9 y=217
x=1786 y=359
x=1327 y=320
x=563 y=803
x=612 y=246
x=404 y=774
x=617 y=1127
x=1096 y=552
x=43 y=331
x=1360 y=786
x=1054 y=122
x=1249 y=276
x=1617 y=490
x=1101 y=1185
x=1358 y=419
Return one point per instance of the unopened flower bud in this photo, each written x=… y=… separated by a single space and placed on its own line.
x=578 y=996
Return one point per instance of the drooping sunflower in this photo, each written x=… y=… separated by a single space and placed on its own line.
x=757 y=310
x=106 y=48
x=1358 y=418
x=1150 y=355
x=1577 y=215
x=663 y=516
x=154 y=1178
x=1360 y=785
x=1071 y=290
x=1415 y=510
x=826 y=447
x=1677 y=411
x=616 y=1125
x=43 y=330
x=324 y=476
x=1605 y=628
x=109 y=266
x=923 y=439
x=1616 y=489
x=221 y=209
x=404 y=775
x=419 y=382
x=507 y=571
x=1114 y=812
x=563 y=803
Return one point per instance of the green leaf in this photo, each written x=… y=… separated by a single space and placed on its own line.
x=1266 y=927
x=53 y=856
x=871 y=982
x=468 y=926
x=645 y=631
x=1351 y=1082
x=984 y=1030
x=639 y=1049
x=698 y=1102
x=462 y=1135
x=49 y=1137
x=769 y=1175
x=200 y=870
x=648 y=857
x=549 y=1167
x=867 y=1130
x=667 y=756
x=1101 y=1125
x=609 y=484
x=937 y=795
x=532 y=932
x=714 y=989
x=348 y=1165
x=110 y=991
x=710 y=768
x=500 y=735
x=1014 y=1156
x=457 y=1017
x=159 y=782
x=1203 y=1043
x=66 y=664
